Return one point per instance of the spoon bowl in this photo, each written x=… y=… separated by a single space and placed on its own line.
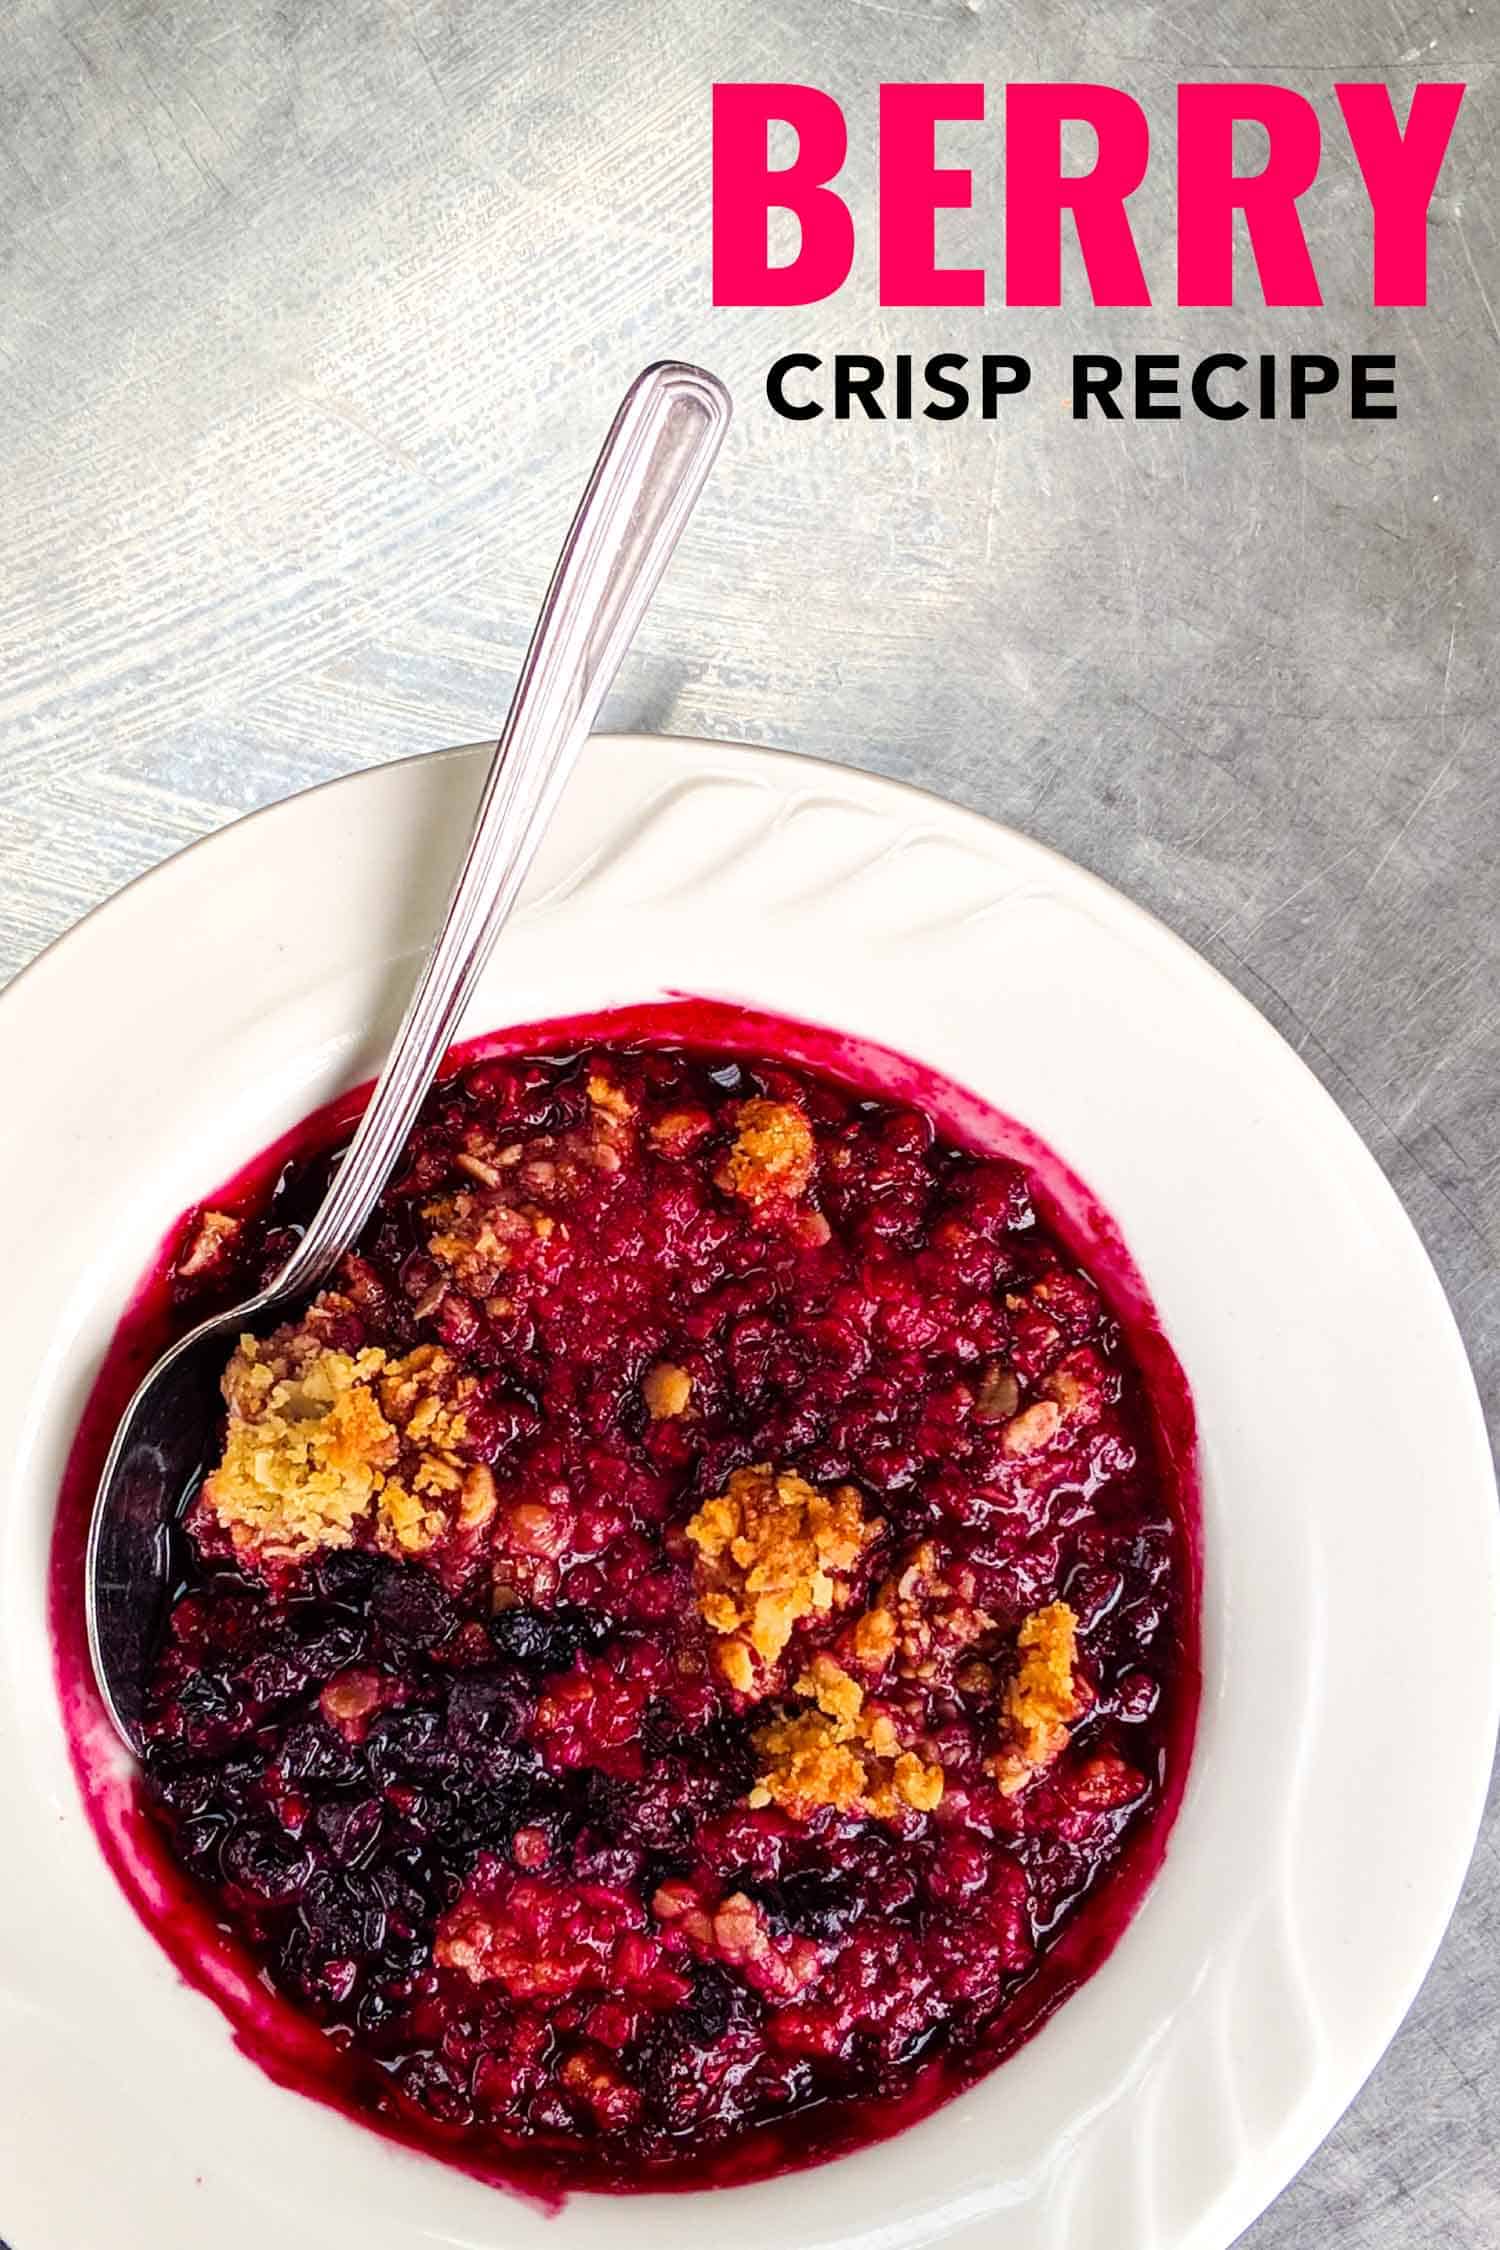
x=157 y=1457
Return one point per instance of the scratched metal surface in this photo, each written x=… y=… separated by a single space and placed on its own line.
x=312 y=316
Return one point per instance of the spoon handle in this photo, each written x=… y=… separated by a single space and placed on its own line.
x=644 y=486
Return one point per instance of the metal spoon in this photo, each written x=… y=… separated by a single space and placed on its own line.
x=644 y=486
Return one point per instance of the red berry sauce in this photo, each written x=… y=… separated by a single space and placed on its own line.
x=490 y=1832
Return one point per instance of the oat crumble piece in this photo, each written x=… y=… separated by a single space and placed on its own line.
x=920 y=1620
x=485 y=1938
x=483 y=1229
x=677 y=1132
x=823 y=1755
x=998 y=1395
x=771 y=1551
x=605 y=1095
x=1034 y=1427
x=737 y=1932
x=1076 y=1386
x=305 y=1452
x=477 y=1497
x=476 y=1237
x=666 y=1390
x=772 y=1155
x=478 y=1168
x=874 y=1638
x=212 y=1240
x=1043 y=1698
x=838 y=1696
x=324 y=1444
x=809 y=1762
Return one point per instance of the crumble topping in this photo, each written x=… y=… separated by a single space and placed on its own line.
x=811 y=1761
x=735 y=1931
x=772 y=1154
x=355 y=1696
x=210 y=1245
x=1070 y=1396
x=666 y=1390
x=677 y=1132
x=542 y=1939
x=998 y=1395
x=771 y=1551
x=842 y=1752
x=836 y=1694
x=873 y=1640
x=612 y=1099
x=1035 y=1426
x=494 y=1224
x=1043 y=1698
x=477 y=1237
x=1076 y=1387
x=922 y=1619
x=324 y=1444
x=306 y=1450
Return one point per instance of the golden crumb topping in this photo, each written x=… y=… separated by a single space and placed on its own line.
x=1042 y=1699
x=836 y=1694
x=322 y=1444
x=666 y=1390
x=1076 y=1386
x=771 y=1551
x=772 y=1154
x=840 y=1753
x=305 y=1451
x=212 y=1239
x=1035 y=1426
x=678 y=1131
x=510 y=1212
x=476 y=1237
x=810 y=1761
x=920 y=1618
x=911 y=1783
x=875 y=1637
x=998 y=1394
x=605 y=1095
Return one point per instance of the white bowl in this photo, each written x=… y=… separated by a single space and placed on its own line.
x=1349 y=1622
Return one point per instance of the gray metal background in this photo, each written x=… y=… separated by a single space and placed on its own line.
x=313 y=313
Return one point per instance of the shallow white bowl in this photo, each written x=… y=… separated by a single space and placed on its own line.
x=1349 y=1507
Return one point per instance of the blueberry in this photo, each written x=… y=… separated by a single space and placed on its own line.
x=375 y=2012
x=329 y=1645
x=343 y=1914
x=186 y=1789
x=346 y=1575
x=546 y=1640
x=275 y=1676
x=484 y=1709
x=348 y=1827
x=410 y=1605
x=238 y=1779
x=427 y=2080
x=404 y=1957
x=402 y=1901
x=267 y=1864
x=198 y=1840
x=710 y=2008
x=408 y=1745
x=210 y=1713
x=811 y=1901
x=314 y=1752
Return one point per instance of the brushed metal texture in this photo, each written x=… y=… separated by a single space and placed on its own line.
x=314 y=316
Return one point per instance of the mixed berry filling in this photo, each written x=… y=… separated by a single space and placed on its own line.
x=679 y=1632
